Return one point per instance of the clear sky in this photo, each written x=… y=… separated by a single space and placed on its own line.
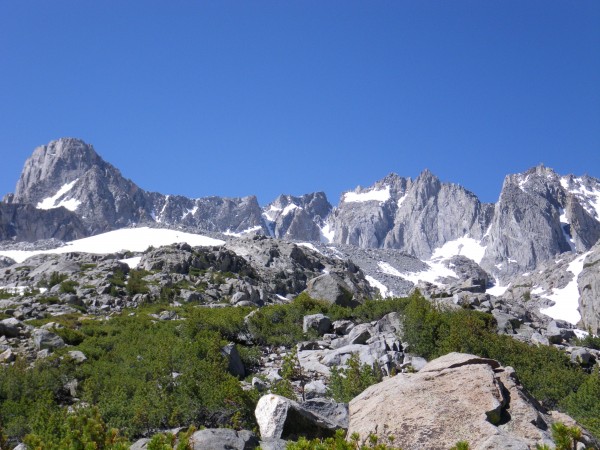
x=234 y=98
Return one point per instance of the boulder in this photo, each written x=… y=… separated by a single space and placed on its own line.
x=223 y=439
x=10 y=327
x=273 y=444
x=140 y=444
x=281 y=418
x=7 y=356
x=339 y=357
x=235 y=366
x=360 y=334
x=324 y=407
x=314 y=389
x=332 y=289
x=457 y=397
x=78 y=356
x=318 y=322
x=391 y=323
x=46 y=340
x=557 y=331
x=582 y=356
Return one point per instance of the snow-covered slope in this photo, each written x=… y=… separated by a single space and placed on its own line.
x=566 y=299
x=131 y=239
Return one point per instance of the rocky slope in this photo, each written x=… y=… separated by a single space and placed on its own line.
x=472 y=399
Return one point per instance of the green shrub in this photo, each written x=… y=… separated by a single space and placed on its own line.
x=70 y=336
x=584 y=404
x=68 y=286
x=347 y=383
x=56 y=278
x=461 y=445
x=565 y=437
x=83 y=429
x=4 y=294
x=339 y=442
x=49 y=300
x=589 y=341
x=136 y=283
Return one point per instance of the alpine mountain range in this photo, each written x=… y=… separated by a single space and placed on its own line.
x=67 y=191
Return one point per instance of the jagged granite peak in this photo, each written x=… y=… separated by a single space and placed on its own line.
x=415 y=216
x=69 y=173
x=229 y=215
x=536 y=218
x=297 y=218
x=60 y=162
x=434 y=213
x=365 y=216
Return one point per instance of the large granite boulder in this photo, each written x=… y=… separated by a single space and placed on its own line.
x=223 y=439
x=332 y=289
x=281 y=418
x=457 y=397
x=44 y=339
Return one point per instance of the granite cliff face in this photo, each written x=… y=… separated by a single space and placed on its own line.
x=538 y=216
x=297 y=217
x=589 y=291
x=415 y=216
x=24 y=222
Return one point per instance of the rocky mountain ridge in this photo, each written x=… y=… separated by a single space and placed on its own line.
x=539 y=214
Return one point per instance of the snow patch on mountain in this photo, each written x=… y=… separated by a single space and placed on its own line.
x=435 y=271
x=289 y=208
x=465 y=246
x=159 y=218
x=51 y=202
x=589 y=198
x=383 y=290
x=243 y=232
x=310 y=246
x=497 y=289
x=379 y=195
x=271 y=214
x=132 y=262
x=401 y=200
x=566 y=226
x=125 y=239
x=523 y=182
x=189 y=212
x=327 y=234
x=566 y=300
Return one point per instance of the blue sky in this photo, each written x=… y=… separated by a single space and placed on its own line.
x=234 y=98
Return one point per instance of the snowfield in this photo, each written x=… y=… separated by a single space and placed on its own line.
x=566 y=300
x=383 y=290
x=242 y=233
x=132 y=239
x=381 y=195
x=436 y=270
x=464 y=246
